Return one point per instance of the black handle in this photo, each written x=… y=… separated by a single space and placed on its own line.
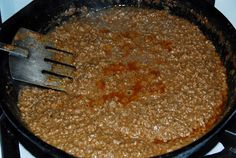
x=212 y=2
x=10 y=145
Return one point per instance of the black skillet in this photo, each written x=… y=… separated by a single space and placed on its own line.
x=43 y=15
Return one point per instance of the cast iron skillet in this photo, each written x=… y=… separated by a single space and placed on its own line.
x=43 y=15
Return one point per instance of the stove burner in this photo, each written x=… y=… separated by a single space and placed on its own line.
x=9 y=144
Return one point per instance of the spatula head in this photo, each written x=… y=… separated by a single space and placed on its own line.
x=40 y=67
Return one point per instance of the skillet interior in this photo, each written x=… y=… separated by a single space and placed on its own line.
x=37 y=18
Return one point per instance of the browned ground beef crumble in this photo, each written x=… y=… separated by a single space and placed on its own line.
x=146 y=83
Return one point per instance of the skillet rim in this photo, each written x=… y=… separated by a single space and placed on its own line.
x=230 y=30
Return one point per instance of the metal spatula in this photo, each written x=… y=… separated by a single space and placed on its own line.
x=32 y=60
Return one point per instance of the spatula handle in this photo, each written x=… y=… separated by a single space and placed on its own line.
x=14 y=50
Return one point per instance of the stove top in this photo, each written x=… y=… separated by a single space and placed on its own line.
x=224 y=145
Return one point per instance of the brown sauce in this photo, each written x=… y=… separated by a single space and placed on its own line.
x=146 y=83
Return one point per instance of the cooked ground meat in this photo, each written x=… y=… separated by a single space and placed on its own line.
x=146 y=83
